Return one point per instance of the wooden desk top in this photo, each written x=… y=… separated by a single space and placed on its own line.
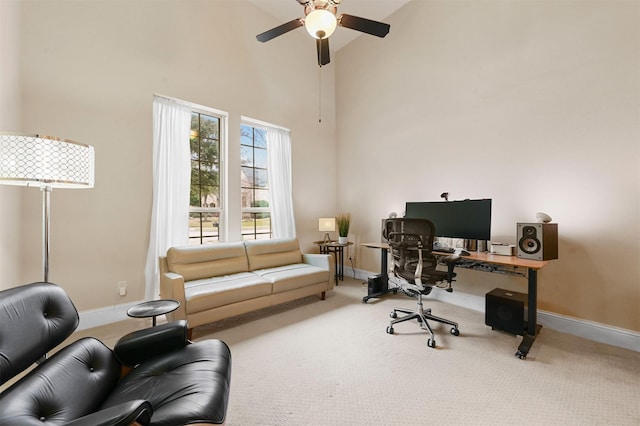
x=485 y=257
x=377 y=245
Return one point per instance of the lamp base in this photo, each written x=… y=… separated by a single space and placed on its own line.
x=327 y=239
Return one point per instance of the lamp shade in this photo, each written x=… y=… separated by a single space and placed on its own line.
x=320 y=23
x=327 y=224
x=34 y=160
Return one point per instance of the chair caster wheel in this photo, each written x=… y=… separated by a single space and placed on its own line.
x=455 y=331
x=389 y=330
x=431 y=343
x=393 y=314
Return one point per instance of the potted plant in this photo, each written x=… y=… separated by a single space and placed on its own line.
x=343 y=220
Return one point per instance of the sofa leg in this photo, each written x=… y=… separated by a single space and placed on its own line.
x=323 y=295
x=189 y=333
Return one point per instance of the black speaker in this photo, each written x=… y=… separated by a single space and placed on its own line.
x=538 y=241
x=504 y=310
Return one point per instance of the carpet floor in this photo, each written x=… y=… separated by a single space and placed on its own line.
x=331 y=362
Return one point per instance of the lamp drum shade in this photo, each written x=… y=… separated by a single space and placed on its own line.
x=34 y=160
x=327 y=224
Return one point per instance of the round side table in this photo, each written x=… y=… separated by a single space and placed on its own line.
x=338 y=250
x=153 y=308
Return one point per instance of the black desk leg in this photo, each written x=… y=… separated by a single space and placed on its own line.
x=384 y=278
x=532 y=329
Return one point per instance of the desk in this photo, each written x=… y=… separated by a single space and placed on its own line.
x=338 y=250
x=498 y=264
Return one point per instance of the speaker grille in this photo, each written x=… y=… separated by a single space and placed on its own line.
x=504 y=310
x=538 y=241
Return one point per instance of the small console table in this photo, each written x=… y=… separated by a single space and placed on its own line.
x=338 y=250
x=488 y=262
x=153 y=308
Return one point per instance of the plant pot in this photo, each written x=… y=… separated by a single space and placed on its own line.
x=343 y=240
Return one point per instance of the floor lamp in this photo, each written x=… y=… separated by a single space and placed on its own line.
x=45 y=162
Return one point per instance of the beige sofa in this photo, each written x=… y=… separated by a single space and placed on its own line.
x=217 y=281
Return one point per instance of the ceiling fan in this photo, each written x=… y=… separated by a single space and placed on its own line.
x=320 y=21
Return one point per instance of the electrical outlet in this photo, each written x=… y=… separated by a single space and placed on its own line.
x=122 y=288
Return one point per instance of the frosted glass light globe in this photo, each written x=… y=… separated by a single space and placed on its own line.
x=320 y=23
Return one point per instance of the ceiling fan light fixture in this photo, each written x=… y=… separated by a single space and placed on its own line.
x=320 y=23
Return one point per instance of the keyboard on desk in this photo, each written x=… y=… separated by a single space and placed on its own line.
x=444 y=249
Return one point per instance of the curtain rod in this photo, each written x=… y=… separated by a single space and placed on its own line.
x=262 y=123
x=190 y=104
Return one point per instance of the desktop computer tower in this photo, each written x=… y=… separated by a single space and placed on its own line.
x=538 y=241
x=504 y=310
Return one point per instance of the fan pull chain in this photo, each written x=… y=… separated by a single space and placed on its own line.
x=320 y=94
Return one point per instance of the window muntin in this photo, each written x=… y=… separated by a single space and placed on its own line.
x=254 y=183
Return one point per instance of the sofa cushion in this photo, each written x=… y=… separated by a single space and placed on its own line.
x=291 y=277
x=219 y=291
x=206 y=261
x=264 y=254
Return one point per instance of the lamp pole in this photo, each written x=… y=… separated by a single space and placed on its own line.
x=46 y=221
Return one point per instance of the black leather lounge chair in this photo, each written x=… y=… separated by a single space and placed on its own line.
x=152 y=377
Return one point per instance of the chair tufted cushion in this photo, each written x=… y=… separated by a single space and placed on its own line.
x=190 y=385
x=57 y=318
x=70 y=384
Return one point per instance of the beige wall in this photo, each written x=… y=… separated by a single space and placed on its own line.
x=89 y=73
x=533 y=104
x=10 y=197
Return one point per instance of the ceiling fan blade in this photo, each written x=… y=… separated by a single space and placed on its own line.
x=379 y=29
x=279 y=30
x=322 y=45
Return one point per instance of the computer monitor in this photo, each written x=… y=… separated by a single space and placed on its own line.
x=468 y=219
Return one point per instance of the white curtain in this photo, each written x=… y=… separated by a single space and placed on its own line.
x=279 y=168
x=171 y=183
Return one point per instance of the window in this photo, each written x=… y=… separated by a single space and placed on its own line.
x=205 y=205
x=254 y=183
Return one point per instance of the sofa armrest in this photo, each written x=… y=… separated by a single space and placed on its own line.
x=138 y=411
x=138 y=346
x=324 y=261
x=320 y=260
x=172 y=287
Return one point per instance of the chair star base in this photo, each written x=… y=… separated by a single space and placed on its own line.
x=422 y=316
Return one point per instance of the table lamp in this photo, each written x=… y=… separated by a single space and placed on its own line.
x=45 y=162
x=326 y=225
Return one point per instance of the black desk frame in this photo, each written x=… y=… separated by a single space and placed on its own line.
x=383 y=276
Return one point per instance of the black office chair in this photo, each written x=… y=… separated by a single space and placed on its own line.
x=414 y=266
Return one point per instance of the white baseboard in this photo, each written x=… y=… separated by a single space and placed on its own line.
x=103 y=316
x=598 y=332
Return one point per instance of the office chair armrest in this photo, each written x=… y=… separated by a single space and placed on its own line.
x=124 y=414
x=141 y=345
